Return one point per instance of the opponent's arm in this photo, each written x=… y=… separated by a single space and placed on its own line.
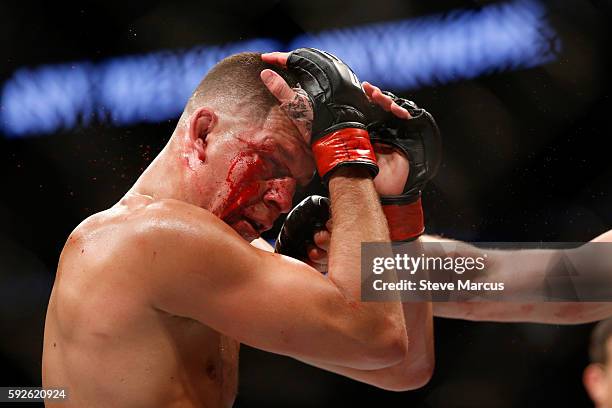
x=521 y=269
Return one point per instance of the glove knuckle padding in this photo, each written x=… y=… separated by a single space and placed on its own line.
x=337 y=98
x=298 y=230
x=418 y=138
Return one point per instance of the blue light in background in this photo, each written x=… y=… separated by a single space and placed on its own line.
x=122 y=91
x=399 y=55
x=438 y=49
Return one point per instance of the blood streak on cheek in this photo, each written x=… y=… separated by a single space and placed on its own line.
x=242 y=181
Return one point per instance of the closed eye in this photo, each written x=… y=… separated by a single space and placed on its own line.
x=280 y=169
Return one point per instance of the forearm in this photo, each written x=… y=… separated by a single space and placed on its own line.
x=414 y=371
x=356 y=217
x=393 y=378
x=416 y=368
x=507 y=267
x=514 y=312
x=418 y=317
x=524 y=270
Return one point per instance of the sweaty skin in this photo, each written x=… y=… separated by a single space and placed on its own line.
x=105 y=339
x=108 y=344
x=153 y=296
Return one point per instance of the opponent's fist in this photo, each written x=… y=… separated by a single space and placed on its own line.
x=339 y=107
x=298 y=231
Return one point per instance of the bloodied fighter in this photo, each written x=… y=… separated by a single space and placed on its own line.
x=154 y=295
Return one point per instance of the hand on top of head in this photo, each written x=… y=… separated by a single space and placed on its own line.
x=406 y=138
x=294 y=102
x=334 y=90
x=339 y=108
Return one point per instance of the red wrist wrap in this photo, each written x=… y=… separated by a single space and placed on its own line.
x=405 y=220
x=344 y=145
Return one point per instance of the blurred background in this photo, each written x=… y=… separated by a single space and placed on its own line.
x=90 y=92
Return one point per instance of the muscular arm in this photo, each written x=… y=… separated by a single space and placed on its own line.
x=415 y=370
x=203 y=270
x=526 y=270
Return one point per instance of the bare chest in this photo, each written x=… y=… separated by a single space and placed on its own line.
x=209 y=361
x=228 y=352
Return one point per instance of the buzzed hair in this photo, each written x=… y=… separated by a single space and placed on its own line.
x=599 y=340
x=234 y=82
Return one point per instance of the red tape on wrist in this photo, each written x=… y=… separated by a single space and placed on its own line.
x=406 y=221
x=344 y=145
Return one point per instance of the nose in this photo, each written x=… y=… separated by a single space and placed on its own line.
x=279 y=193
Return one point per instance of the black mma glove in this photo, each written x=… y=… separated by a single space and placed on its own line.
x=339 y=135
x=298 y=230
x=419 y=139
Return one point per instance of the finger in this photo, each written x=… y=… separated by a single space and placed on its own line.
x=368 y=89
x=276 y=58
x=400 y=112
x=387 y=103
x=277 y=86
x=381 y=99
x=322 y=239
x=329 y=225
x=317 y=255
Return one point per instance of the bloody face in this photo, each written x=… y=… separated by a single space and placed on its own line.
x=263 y=167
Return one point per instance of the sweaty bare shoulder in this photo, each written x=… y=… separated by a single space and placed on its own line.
x=160 y=241
x=103 y=334
x=100 y=260
x=122 y=232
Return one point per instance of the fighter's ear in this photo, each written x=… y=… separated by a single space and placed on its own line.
x=594 y=381
x=202 y=121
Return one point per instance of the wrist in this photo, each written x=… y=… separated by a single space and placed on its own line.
x=405 y=219
x=344 y=173
x=344 y=148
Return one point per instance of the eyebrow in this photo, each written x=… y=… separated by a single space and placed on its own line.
x=280 y=160
x=285 y=159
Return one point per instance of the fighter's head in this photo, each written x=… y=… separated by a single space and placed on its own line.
x=242 y=155
x=598 y=375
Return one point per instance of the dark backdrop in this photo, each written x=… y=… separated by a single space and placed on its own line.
x=526 y=158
